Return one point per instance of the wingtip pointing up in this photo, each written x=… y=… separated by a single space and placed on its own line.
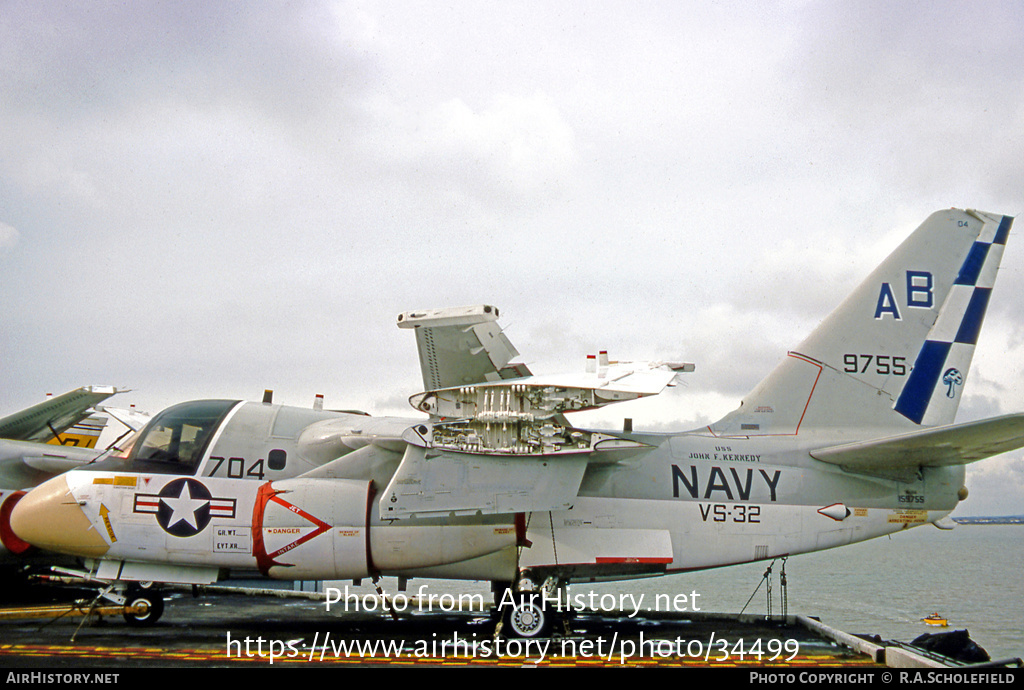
x=450 y=316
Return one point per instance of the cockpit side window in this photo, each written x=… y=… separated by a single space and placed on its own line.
x=175 y=440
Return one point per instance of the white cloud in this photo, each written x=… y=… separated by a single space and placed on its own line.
x=513 y=150
x=995 y=487
x=8 y=237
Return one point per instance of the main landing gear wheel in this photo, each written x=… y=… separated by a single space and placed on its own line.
x=143 y=608
x=528 y=617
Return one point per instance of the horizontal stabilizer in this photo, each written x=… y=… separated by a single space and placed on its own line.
x=954 y=444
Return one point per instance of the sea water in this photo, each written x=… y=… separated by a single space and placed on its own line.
x=972 y=575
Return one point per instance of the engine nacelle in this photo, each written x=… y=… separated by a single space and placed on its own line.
x=312 y=529
x=318 y=529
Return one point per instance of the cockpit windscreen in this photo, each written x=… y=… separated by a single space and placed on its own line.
x=175 y=440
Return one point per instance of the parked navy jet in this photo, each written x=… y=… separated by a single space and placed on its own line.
x=852 y=436
x=28 y=447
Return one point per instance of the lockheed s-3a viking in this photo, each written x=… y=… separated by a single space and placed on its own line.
x=850 y=437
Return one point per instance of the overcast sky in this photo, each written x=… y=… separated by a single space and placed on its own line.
x=207 y=199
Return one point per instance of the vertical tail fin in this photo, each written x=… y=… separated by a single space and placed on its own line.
x=895 y=354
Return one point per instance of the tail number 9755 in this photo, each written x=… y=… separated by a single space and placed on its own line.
x=883 y=365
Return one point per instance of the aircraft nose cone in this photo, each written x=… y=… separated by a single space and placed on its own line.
x=50 y=518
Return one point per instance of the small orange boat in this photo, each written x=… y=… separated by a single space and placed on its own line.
x=935 y=620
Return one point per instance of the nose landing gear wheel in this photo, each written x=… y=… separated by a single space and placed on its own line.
x=143 y=608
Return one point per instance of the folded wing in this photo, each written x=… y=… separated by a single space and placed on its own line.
x=462 y=346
